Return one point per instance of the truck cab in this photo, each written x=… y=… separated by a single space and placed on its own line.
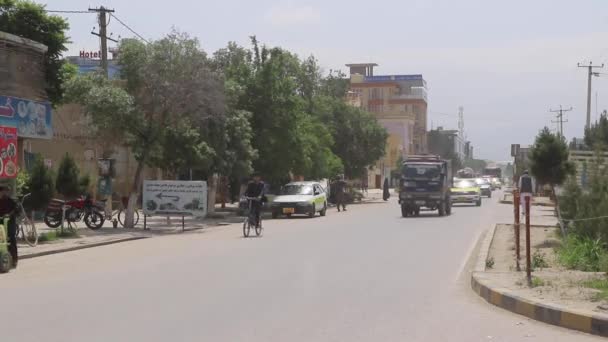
x=425 y=181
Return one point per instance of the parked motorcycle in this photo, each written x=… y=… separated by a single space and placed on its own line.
x=82 y=209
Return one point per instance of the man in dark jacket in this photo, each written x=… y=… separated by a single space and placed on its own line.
x=339 y=188
x=7 y=207
x=256 y=189
x=526 y=189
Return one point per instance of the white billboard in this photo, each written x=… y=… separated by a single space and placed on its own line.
x=175 y=198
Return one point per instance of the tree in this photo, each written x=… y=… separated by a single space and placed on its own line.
x=358 y=139
x=596 y=137
x=68 y=178
x=29 y=20
x=549 y=159
x=301 y=123
x=169 y=91
x=41 y=184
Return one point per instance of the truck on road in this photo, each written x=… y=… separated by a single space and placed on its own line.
x=425 y=181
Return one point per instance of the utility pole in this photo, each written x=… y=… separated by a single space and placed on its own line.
x=103 y=37
x=560 y=118
x=590 y=67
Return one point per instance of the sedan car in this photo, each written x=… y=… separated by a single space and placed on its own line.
x=484 y=186
x=300 y=198
x=466 y=191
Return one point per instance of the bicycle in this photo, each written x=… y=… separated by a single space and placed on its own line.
x=120 y=215
x=26 y=229
x=251 y=219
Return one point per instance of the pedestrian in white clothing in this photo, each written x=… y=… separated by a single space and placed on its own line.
x=526 y=189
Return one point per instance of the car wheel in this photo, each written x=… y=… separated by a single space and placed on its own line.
x=324 y=211
x=312 y=212
x=478 y=203
x=442 y=209
x=275 y=214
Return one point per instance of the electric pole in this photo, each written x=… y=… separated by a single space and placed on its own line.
x=591 y=73
x=103 y=37
x=560 y=119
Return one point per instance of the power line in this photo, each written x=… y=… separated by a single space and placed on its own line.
x=560 y=118
x=103 y=37
x=590 y=68
x=56 y=11
x=130 y=29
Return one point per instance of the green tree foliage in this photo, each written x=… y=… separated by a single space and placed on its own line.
x=41 y=184
x=29 y=20
x=359 y=140
x=549 y=159
x=171 y=96
x=301 y=123
x=597 y=135
x=68 y=178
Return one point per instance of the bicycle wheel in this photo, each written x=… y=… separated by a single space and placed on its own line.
x=122 y=215
x=28 y=231
x=258 y=228
x=246 y=227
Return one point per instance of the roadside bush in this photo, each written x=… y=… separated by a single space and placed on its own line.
x=41 y=185
x=68 y=182
x=538 y=260
x=582 y=253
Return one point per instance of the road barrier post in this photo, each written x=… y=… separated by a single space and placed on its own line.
x=528 y=261
x=517 y=227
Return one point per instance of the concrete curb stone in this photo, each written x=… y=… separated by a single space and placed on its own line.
x=588 y=322
x=75 y=248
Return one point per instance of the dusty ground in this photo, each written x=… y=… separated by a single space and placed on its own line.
x=561 y=286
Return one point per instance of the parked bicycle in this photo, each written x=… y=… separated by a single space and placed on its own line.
x=26 y=229
x=119 y=214
x=252 y=220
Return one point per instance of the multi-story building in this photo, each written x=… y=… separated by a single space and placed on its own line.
x=400 y=104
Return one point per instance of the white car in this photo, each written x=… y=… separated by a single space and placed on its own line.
x=305 y=198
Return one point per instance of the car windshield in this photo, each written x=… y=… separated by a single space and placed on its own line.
x=464 y=184
x=481 y=181
x=297 y=189
x=426 y=171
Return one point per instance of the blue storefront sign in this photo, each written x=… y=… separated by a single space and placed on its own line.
x=32 y=119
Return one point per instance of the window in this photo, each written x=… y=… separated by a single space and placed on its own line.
x=376 y=93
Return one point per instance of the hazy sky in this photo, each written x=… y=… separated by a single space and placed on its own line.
x=506 y=62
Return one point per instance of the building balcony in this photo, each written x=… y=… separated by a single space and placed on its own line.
x=415 y=93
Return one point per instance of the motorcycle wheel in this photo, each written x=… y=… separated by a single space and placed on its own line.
x=52 y=220
x=94 y=220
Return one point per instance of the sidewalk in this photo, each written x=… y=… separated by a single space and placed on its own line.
x=536 y=200
x=156 y=226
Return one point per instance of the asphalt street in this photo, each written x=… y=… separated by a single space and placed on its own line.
x=363 y=275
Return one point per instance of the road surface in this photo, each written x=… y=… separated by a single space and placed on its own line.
x=363 y=275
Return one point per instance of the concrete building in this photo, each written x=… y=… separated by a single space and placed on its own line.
x=400 y=104
x=442 y=140
x=24 y=105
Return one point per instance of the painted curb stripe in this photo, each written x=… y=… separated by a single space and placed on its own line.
x=547 y=313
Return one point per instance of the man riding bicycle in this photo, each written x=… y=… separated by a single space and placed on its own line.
x=256 y=189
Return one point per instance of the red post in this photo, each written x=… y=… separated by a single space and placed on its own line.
x=528 y=261
x=516 y=212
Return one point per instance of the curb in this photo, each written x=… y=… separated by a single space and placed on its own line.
x=75 y=248
x=544 y=312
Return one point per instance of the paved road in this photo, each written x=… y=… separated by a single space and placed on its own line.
x=363 y=275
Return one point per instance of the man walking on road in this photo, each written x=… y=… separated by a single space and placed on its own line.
x=340 y=188
x=526 y=189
